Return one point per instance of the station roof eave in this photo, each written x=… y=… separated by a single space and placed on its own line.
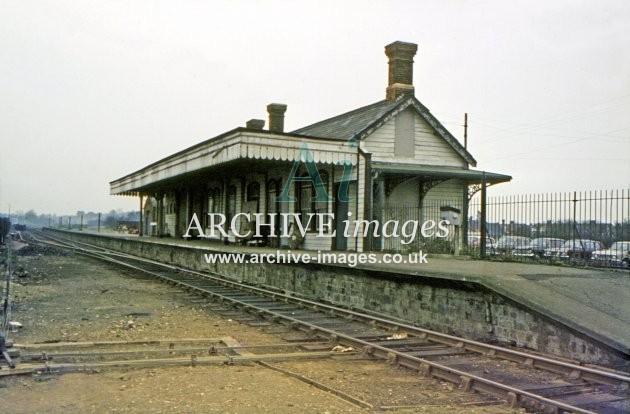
x=182 y=178
x=238 y=144
x=436 y=171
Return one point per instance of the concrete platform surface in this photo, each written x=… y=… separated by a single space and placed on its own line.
x=594 y=302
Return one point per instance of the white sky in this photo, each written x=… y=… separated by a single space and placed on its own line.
x=91 y=91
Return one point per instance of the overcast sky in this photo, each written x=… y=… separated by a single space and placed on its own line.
x=91 y=91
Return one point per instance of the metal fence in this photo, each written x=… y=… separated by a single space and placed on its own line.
x=402 y=213
x=577 y=227
x=572 y=227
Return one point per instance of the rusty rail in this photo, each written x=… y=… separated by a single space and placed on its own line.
x=469 y=382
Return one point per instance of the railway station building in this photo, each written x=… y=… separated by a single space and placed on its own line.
x=378 y=162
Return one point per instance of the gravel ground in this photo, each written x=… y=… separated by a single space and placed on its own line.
x=66 y=297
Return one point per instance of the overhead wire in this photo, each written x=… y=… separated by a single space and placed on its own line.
x=549 y=123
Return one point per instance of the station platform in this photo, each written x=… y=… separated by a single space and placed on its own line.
x=590 y=301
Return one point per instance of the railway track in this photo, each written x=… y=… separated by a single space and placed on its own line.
x=64 y=357
x=521 y=379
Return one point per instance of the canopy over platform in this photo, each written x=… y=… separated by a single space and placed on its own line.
x=439 y=172
x=238 y=144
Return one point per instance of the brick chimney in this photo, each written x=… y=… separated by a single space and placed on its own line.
x=255 y=124
x=276 y=116
x=400 y=56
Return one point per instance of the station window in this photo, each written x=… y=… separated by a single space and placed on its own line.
x=231 y=203
x=272 y=193
x=214 y=200
x=253 y=191
x=306 y=191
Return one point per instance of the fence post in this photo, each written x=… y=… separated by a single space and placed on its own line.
x=575 y=228
x=464 y=226
x=482 y=230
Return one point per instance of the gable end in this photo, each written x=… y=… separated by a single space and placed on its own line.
x=429 y=118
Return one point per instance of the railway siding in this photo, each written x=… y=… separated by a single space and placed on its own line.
x=461 y=305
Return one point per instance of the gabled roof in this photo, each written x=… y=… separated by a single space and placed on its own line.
x=346 y=126
x=361 y=122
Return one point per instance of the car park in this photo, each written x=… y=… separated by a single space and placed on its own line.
x=617 y=255
x=509 y=244
x=579 y=249
x=537 y=247
x=474 y=242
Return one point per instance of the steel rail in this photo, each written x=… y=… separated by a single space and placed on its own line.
x=536 y=361
x=468 y=382
x=192 y=360
x=465 y=380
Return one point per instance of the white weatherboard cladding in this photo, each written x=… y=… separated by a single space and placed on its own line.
x=169 y=224
x=429 y=148
x=449 y=193
x=312 y=241
x=404 y=131
x=448 y=190
x=403 y=202
x=405 y=193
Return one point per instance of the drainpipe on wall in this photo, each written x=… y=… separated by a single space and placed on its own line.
x=356 y=210
x=367 y=193
x=369 y=199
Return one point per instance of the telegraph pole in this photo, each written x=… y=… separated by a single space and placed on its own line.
x=466 y=130
x=465 y=198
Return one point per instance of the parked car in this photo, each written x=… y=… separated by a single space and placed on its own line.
x=554 y=252
x=507 y=244
x=579 y=249
x=617 y=255
x=538 y=247
x=474 y=242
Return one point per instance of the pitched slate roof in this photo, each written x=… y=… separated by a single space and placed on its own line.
x=361 y=122
x=347 y=125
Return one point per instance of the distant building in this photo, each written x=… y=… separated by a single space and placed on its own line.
x=392 y=152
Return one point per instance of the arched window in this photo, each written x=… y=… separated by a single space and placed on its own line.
x=231 y=203
x=214 y=200
x=273 y=209
x=306 y=192
x=253 y=191
x=272 y=193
